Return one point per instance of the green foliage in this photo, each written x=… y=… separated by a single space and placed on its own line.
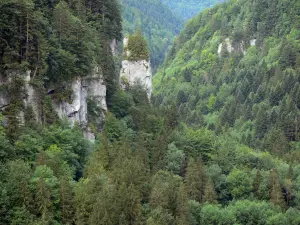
x=157 y=22
x=195 y=159
x=186 y=9
x=137 y=47
x=175 y=159
x=239 y=183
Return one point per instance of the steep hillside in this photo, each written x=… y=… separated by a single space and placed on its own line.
x=221 y=147
x=158 y=23
x=238 y=64
x=186 y=9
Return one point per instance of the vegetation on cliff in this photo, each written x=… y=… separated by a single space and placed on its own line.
x=137 y=48
x=219 y=144
x=157 y=22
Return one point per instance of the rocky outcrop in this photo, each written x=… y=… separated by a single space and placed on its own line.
x=229 y=47
x=114 y=47
x=76 y=111
x=136 y=72
x=92 y=87
x=26 y=92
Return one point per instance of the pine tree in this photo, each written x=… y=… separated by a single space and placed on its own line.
x=43 y=202
x=276 y=196
x=66 y=201
x=130 y=204
x=261 y=123
x=181 y=206
x=210 y=193
x=137 y=47
x=194 y=180
x=257 y=183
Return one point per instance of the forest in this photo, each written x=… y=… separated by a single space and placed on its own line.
x=186 y=9
x=217 y=144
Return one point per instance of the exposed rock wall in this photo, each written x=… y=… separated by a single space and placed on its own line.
x=133 y=72
x=91 y=86
x=228 y=46
x=114 y=47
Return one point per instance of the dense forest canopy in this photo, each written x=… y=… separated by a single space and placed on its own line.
x=217 y=144
x=235 y=70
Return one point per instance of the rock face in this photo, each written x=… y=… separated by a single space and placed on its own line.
x=92 y=87
x=114 y=47
x=228 y=46
x=89 y=87
x=28 y=93
x=76 y=111
x=136 y=72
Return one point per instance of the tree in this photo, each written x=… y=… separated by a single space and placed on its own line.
x=261 y=123
x=43 y=202
x=209 y=193
x=137 y=47
x=256 y=184
x=175 y=159
x=182 y=206
x=66 y=201
x=276 y=195
x=195 y=180
x=239 y=183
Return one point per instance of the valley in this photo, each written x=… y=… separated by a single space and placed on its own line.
x=149 y=112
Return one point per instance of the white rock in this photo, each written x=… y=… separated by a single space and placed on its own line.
x=137 y=72
x=31 y=98
x=88 y=134
x=91 y=86
x=220 y=49
x=96 y=88
x=114 y=47
x=253 y=42
x=75 y=111
x=229 y=45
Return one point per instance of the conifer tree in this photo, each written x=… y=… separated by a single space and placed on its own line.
x=210 y=193
x=195 y=179
x=257 y=183
x=181 y=206
x=66 y=201
x=276 y=196
x=43 y=202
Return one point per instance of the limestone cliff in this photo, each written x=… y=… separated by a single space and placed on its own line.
x=137 y=71
x=89 y=87
x=229 y=47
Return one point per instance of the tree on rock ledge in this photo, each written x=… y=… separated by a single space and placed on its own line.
x=137 y=47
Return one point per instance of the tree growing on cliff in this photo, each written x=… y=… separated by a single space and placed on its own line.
x=137 y=47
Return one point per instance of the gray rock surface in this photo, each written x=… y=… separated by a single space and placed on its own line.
x=133 y=72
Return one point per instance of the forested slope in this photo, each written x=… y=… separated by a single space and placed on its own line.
x=158 y=23
x=235 y=70
x=187 y=9
x=220 y=146
x=237 y=63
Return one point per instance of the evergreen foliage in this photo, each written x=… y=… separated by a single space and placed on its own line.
x=137 y=47
x=157 y=22
x=221 y=148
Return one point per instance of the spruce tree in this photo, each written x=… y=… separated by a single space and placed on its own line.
x=181 y=206
x=43 y=202
x=256 y=184
x=276 y=196
x=195 y=180
x=66 y=201
x=210 y=195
